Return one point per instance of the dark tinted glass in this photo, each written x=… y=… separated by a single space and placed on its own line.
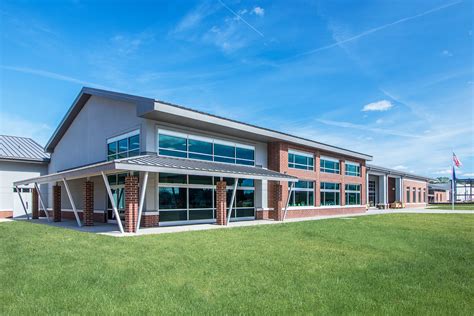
x=112 y=148
x=246 y=182
x=172 y=142
x=171 y=216
x=134 y=142
x=200 y=198
x=224 y=150
x=245 y=212
x=172 y=198
x=301 y=198
x=245 y=153
x=199 y=146
x=245 y=162
x=200 y=156
x=122 y=145
x=197 y=214
x=222 y=159
x=245 y=198
x=200 y=180
x=172 y=178
x=172 y=153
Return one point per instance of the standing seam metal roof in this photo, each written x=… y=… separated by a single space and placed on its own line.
x=21 y=148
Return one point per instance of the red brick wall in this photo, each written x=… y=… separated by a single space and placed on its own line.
x=150 y=220
x=221 y=201
x=131 y=204
x=407 y=183
x=56 y=203
x=6 y=214
x=440 y=196
x=88 y=196
x=278 y=161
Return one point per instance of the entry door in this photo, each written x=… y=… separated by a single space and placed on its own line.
x=118 y=193
x=372 y=201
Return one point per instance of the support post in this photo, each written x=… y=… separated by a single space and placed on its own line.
x=292 y=185
x=142 y=200
x=112 y=201
x=22 y=203
x=232 y=200
x=221 y=204
x=41 y=201
x=71 y=200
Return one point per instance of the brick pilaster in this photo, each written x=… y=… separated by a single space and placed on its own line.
x=343 y=182
x=88 y=196
x=221 y=202
x=34 y=204
x=131 y=204
x=56 y=203
x=278 y=203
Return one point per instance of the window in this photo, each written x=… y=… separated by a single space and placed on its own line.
x=424 y=195
x=329 y=165
x=414 y=195
x=330 y=194
x=202 y=148
x=302 y=194
x=300 y=160
x=408 y=195
x=190 y=197
x=419 y=195
x=352 y=194
x=123 y=146
x=352 y=169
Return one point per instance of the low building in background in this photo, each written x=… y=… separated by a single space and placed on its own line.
x=390 y=188
x=20 y=158
x=464 y=190
x=439 y=193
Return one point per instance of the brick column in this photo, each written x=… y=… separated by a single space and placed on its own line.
x=88 y=196
x=131 y=204
x=317 y=183
x=221 y=203
x=343 y=182
x=278 y=203
x=56 y=203
x=34 y=203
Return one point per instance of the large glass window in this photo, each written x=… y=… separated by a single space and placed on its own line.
x=352 y=194
x=127 y=145
x=414 y=195
x=330 y=194
x=329 y=165
x=302 y=194
x=196 y=147
x=352 y=169
x=300 y=160
x=190 y=197
x=408 y=195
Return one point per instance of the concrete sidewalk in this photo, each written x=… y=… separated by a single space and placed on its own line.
x=112 y=229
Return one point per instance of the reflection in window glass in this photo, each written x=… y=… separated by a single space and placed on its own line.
x=172 y=178
x=330 y=194
x=172 y=198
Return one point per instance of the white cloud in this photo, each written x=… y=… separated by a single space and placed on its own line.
x=194 y=17
x=258 y=11
x=383 y=105
x=19 y=126
x=446 y=53
x=468 y=174
x=379 y=121
x=444 y=171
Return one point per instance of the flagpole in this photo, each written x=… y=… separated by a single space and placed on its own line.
x=452 y=182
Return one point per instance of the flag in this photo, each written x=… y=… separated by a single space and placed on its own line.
x=456 y=161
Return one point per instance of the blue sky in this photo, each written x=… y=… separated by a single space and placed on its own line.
x=393 y=79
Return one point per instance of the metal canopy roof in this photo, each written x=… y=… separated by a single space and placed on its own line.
x=21 y=149
x=396 y=172
x=154 y=163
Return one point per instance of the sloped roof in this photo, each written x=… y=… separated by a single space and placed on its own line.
x=150 y=105
x=396 y=172
x=154 y=163
x=21 y=149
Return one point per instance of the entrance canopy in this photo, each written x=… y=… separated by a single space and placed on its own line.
x=155 y=163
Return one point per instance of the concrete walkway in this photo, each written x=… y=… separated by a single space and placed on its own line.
x=112 y=229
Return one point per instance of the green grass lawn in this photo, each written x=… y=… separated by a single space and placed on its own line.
x=387 y=264
x=457 y=207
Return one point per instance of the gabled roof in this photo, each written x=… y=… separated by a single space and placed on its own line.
x=396 y=172
x=21 y=149
x=155 y=163
x=159 y=110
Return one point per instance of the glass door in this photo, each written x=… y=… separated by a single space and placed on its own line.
x=372 y=193
x=118 y=193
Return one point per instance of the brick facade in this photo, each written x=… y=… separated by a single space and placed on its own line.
x=418 y=186
x=88 y=196
x=278 y=161
x=131 y=204
x=56 y=203
x=150 y=221
x=34 y=204
x=221 y=203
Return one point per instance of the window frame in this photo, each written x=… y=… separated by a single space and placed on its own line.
x=325 y=169
x=309 y=189
x=130 y=152
x=307 y=155
x=323 y=192
x=195 y=155
x=357 y=173
x=358 y=193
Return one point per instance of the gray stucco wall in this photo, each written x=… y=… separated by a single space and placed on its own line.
x=14 y=171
